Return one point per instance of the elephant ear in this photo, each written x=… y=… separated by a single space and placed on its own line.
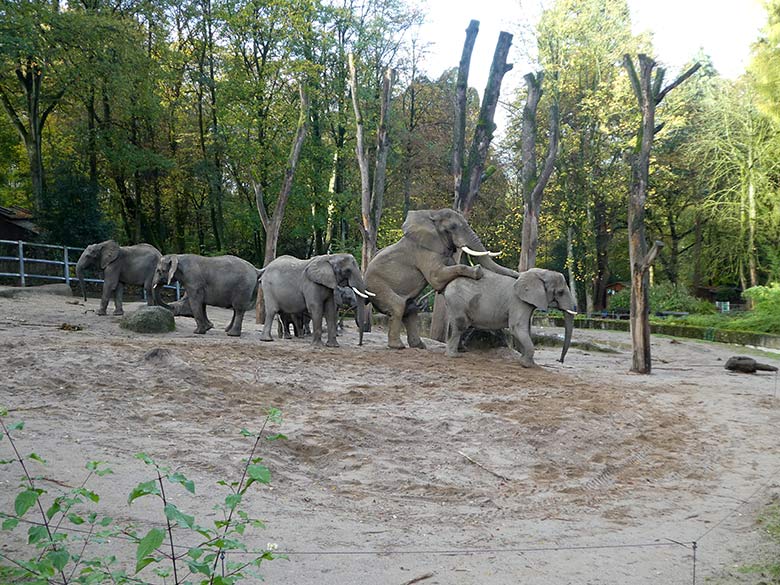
x=109 y=253
x=420 y=227
x=320 y=271
x=529 y=286
x=172 y=269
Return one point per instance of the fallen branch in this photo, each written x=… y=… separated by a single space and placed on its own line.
x=418 y=579
x=478 y=464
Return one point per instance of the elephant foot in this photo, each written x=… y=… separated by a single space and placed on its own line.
x=201 y=329
x=396 y=345
x=234 y=334
x=417 y=344
x=266 y=337
x=333 y=343
x=118 y=313
x=316 y=342
x=453 y=354
x=478 y=272
x=528 y=363
x=100 y=312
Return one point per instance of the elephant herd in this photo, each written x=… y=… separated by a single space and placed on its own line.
x=485 y=295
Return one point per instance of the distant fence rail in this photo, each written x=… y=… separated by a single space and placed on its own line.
x=44 y=262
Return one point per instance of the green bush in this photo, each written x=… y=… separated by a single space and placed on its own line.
x=664 y=297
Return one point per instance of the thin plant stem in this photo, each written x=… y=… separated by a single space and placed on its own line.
x=32 y=486
x=170 y=530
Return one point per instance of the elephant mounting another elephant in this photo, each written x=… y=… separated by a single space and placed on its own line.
x=121 y=265
x=426 y=254
x=294 y=286
x=497 y=302
x=222 y=281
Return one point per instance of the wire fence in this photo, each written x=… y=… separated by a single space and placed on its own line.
x=29 y=263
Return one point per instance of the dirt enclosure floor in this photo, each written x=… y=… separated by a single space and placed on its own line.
x=407 y=466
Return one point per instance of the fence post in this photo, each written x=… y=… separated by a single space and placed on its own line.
x=178 y=291
x=67 y=266
x=21 y=262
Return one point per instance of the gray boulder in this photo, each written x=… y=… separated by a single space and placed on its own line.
x=149 y=320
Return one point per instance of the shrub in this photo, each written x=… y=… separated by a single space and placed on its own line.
x=664 y=297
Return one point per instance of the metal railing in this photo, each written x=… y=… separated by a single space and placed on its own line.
x=25 y=262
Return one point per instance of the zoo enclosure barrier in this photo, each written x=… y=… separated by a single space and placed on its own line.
x=29 y=255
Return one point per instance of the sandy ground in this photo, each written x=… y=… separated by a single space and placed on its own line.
x=400 y=465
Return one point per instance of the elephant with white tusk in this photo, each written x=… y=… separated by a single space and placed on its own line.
x=292 y=286
x=426 y=254
x=221 y=281
x=497 y=301
x=120 y=265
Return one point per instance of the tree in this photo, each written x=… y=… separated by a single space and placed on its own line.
x=533 y=184
x=648 y=93
x=372 y=192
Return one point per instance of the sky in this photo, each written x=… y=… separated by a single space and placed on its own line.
x=725 y=30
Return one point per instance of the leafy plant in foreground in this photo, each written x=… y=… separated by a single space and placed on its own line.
x=61 y=535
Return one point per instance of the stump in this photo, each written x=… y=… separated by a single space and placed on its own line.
x=149 y=320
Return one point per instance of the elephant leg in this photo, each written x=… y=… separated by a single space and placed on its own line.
x=332 y=317
x=412 y=324
x=456 y=328
x=149 y=293
x=315 y=310
x=395 y=306
x=229 y=326
x=108 y=291
x=521 y=329
x=199 y=312
x=235 y=324
x=442 y=276
x=120 y=289
x=271 y=309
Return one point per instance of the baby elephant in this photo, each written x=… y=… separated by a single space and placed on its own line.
x=496 y=302
x=221 y=281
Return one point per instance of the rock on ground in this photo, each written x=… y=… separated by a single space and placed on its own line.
x=149 y=320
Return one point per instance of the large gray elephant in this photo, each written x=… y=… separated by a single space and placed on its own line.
x=120 y=265
x=293 y=286
x=497 y=301
x=424 y=255
x=222 y=281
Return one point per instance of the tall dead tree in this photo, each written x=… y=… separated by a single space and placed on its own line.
x=469 y=176
x=469 y=173
x=272 y=223
x=371 y=193
x=533 y=184
x=648 y=92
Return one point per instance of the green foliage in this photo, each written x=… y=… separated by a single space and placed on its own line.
x=664 y=297
x=65 y=527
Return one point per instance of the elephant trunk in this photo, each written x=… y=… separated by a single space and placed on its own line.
x=568 y=324
x=473 y=242
x=157 y=295
x=80 y=266
x=362 y=312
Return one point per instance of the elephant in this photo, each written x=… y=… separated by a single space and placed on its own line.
x=497 y=301
x=121 y=265
x=221 y=281
x=426 y=254
x=291 y=285
x=344 y=298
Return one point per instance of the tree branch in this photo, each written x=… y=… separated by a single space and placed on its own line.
x=9 y=108
x=693 y=69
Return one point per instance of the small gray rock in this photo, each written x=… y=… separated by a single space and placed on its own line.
x=149 y=320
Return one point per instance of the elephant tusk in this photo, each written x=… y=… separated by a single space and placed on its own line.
x=360 y=294
x=471 y=252
x=570 y=312
x=369 y=293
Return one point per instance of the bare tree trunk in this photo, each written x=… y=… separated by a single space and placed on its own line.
x=461 y=90
x=533 y=185
x=273 y=223
x=371 y=196
x=647 y=90
x=483 y=133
